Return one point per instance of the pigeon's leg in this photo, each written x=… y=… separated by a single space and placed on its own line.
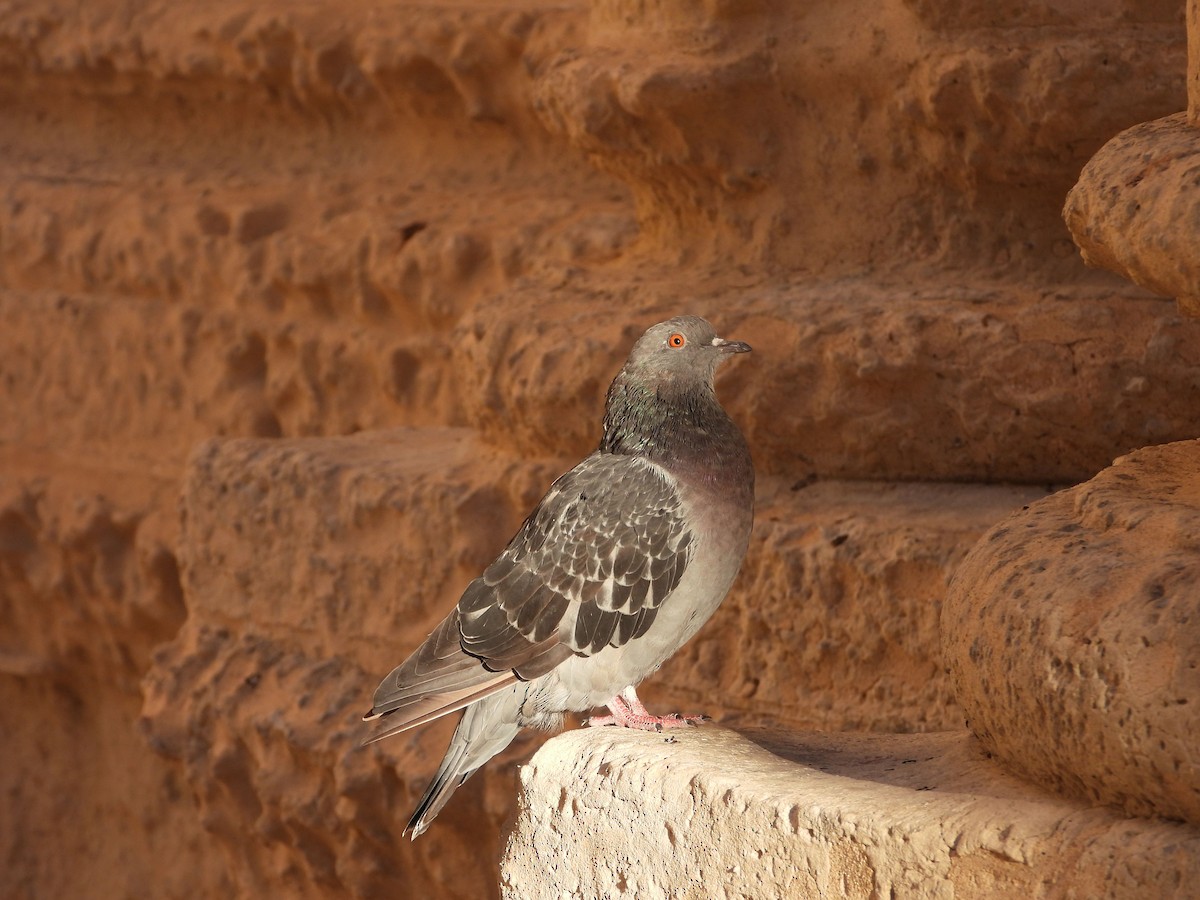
x=629 y=712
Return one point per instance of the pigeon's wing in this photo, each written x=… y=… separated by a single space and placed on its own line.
x=588 y=569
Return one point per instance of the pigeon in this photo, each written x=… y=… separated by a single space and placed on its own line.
x=623 y=560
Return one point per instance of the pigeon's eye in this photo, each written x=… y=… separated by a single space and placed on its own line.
x=676 y=340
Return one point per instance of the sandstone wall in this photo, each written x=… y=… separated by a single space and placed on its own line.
x=302 y=306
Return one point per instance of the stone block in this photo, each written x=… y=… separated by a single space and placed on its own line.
x=350 y=547
x=834 y=620
x=859 y=140
x=711 y=813
x=858 y=380
x=1125 y=212
x=1078 y=620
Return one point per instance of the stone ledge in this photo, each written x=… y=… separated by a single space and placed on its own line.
x=710 y=813
x=352 y=546
x=850 y=380
x=392 y=250
x=357 y=546
x=833 y=621
x=863 y=379
x=330 y=58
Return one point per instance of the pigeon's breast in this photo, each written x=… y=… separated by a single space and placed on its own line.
x=720 y=512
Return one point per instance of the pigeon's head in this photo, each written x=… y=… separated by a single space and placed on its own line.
x=666 y=385
x=680 y=350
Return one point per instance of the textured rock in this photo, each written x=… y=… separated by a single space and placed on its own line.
x=710 y=813
x=347 y=545
x=859 y=137
x=848 y=381
x=262 y=740
x=257 y=220
x=1132 y=196
x=851 y=380
x=1078 y=620
x=305 y=268
x=833 y=622
x=89 y=584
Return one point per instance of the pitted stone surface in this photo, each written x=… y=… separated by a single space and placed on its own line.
x=1126 y=211
x=283 y=223
x=1072 y=634
x=706 y=813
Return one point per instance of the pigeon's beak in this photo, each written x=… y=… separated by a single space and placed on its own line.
x=731 y=346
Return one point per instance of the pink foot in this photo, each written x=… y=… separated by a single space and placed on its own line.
x=627 y=711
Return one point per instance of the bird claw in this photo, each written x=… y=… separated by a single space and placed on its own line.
x=627 y=711
x=647 y=722
x=677 y=720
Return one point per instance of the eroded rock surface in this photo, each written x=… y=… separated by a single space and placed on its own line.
x=440 y=224
x=1078 y=620
x=1131 y=198
x=711 y=813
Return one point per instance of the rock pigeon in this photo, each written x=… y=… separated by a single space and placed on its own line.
x=622 y=561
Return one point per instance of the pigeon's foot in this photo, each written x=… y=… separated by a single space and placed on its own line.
x=627 y=711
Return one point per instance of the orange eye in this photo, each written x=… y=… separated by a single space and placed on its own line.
x=677 y=340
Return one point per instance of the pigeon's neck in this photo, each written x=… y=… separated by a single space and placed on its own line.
x=680 y=429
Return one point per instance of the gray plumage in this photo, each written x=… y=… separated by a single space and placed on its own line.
x=622 y=561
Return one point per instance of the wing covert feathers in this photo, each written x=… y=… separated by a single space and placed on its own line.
x=588 y=569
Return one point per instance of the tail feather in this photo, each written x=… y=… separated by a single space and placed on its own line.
x=423 y=709
x=484 y=730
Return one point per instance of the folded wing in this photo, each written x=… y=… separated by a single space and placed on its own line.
x=589 y=569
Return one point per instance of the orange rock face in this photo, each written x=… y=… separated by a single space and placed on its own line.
x=301 y=308
x=1125 y=210
x=1076 y=619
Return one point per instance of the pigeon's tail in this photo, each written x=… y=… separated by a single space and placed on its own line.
x=485 y=729
x=438 y=679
